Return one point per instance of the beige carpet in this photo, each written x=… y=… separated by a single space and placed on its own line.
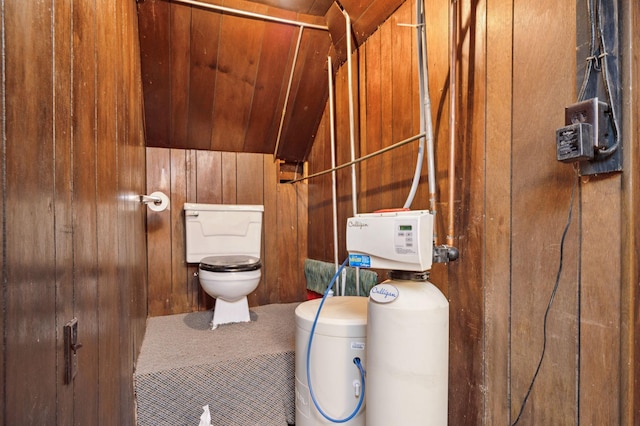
x=244 y=372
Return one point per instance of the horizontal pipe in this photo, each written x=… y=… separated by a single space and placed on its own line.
x=251 y=14
x=365 y=157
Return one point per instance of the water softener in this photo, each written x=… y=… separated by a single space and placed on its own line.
x=407 y=320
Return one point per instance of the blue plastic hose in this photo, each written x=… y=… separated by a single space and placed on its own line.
x=356 y=360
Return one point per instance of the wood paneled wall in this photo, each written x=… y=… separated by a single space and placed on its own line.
x=517 y=72
x=222 y=178
x=73 y=233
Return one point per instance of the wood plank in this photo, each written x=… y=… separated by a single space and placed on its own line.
x=250 y=185
x=209 y=177
x=337 y=29
x=250 y=189
x=180 y=285
x=401 y=103
x=276 y=55
x=319 y=202
x=132 y=278
x=546 y=185
x=301 y=202
x=386 y=110
x=306 y=101
x=370 y=19
x=287 y=258
x=85 y=212
x=320 y=214
x=205 y=29
x=193 y=288
x=229 y=178
x=467 y=348
x=372 y=140
x=155 y=43
x=29 y=251
x=600 y=301
x=498 y=209
x=180 y=50
x=235 y=81
x=159 y=233
x=270 y=248
x=63 y=199
x=108 y=292
x=630 y=309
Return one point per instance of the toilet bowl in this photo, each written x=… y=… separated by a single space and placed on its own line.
x=225 y=241
x=229 y=279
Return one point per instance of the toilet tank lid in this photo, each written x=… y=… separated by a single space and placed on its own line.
x=224 y=207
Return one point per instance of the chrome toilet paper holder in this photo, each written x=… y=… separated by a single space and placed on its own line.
x=148 y=199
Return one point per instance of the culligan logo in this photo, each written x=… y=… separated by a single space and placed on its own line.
x=357 y=224
x=383 y=293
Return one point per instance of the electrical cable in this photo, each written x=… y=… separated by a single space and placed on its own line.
x=592 y=52
x=553 y=295
x=607 y=84
x=596 y=54
x=424 y=104
x=356 y=360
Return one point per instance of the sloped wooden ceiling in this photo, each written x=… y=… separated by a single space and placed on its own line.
x=223 y=81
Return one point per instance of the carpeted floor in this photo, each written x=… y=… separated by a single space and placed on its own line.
x=244 y=372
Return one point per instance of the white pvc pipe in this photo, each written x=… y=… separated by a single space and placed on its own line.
x=427 y=117
x=352 y=131
x=286 y=98
x=334 y=197
x=251 y=14
x=425 y=103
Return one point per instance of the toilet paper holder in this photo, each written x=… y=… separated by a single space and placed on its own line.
x=148 y=199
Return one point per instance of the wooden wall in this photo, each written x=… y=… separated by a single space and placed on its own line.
x=517 y=72
x=222 y=178
x=73 y=242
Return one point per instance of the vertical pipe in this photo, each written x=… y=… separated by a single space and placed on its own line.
x=352 y=131
x=333 y=165
x=453 y=93
x=426 y=119
x=352 y=140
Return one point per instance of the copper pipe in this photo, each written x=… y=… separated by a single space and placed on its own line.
x=453 y=93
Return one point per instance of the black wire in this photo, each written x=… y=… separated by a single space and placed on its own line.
x=553 y=295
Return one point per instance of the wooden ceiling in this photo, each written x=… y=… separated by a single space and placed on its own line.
x=225 y=79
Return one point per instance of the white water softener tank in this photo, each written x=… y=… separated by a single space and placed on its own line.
x=339 y=337
x=407 y=353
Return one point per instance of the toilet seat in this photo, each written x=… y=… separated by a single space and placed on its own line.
x=237 y=263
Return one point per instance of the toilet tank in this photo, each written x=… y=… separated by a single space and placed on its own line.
x=222 y=229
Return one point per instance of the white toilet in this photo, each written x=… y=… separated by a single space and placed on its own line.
x=224 y=239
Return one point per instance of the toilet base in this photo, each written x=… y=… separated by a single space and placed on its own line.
x=230 y=312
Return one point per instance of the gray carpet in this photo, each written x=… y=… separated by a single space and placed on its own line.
x=244 y=372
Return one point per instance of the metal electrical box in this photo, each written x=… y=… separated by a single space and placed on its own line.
x=588 y=137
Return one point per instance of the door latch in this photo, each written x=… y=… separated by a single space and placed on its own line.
x=71 y=346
